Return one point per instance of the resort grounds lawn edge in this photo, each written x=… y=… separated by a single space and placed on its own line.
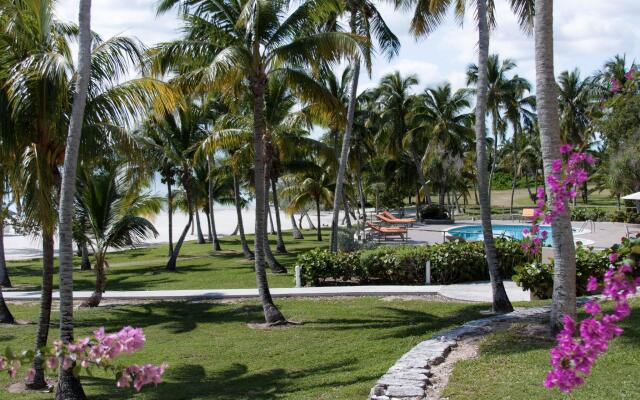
x=143 y=268
x=343 y=347
x=513 y=366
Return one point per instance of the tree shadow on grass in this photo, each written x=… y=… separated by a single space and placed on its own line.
x=401 y=323
x=177 y=317
x=235 y=381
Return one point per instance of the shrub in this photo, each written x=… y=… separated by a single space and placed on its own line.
x=593 y=214
x=347 y=242
x=538 y=277
x=434 y=211
x=450 y=263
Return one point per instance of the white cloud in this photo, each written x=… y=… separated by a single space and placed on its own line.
x=587 y=33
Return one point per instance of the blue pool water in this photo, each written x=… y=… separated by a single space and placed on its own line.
x=474 y=232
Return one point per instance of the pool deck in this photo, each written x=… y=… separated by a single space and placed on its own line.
x=605 y=235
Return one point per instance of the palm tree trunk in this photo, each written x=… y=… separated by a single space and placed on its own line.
x=319 y=235
x=214 y=241
x=86 y=262
x=280 y=247
x=186 y=182
x=274 y=265
x=271 y=313
x=69 y=386
x=4 y=272
x=421 y=178
x=526 y=183
x=501 y=301
x=564 y=271
x=44 y=320
x=494 y=159
x=515 y=169
x=5 y=314
x=206 y=214
x=199 y=227
x=311 y=226
x=248 y=254
x=273 y=229
x=363 y=204
x=296 y=232
x=344 y=155
x=101 y=281
x=170 y=214
x=347 y=217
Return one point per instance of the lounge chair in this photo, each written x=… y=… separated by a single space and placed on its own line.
x=527 y=214
x=384 y=232
x=399 y=220
x=631 y=232
x=456 y=239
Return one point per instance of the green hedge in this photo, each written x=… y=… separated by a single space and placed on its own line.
x=603 y=215
x=450 y=263
x=538 y=277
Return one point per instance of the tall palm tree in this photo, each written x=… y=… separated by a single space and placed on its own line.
x=564 y=253
x=364 y=20
x=576 y=102
x=428 y=14
x=519 y=110
x=396 y=103
x=438 y=114
x=500 y=92
x=69 y=386
x=258 y=41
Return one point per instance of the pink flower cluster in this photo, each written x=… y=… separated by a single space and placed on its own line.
x=617 y=86
x=99 y=351
x=141 y=375
x=572 y=358
x=563 y=181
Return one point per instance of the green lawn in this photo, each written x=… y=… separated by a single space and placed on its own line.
x=511 y=366
x=344 y=346
x=198 y=267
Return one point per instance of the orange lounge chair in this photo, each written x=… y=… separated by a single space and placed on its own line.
x=384 y=232
x=527 y=213
x=399 y=220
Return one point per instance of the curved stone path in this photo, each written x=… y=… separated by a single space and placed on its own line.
x=409 y=377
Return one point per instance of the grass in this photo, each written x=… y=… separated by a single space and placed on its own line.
x=512 y=366
x=344 y=346
x=198 y=267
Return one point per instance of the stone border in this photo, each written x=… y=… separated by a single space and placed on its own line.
x=408 y=378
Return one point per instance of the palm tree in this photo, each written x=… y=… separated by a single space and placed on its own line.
x=256 y=43
x=564 y=253
x=315 y=187
x=181 y=130
x=109 y=198
x=69 y=386
x=519 y=109
x=364 y=20
x=576 y=104
x=500 y=95
x=427 y=16
x=396 y=103
x=439 y=114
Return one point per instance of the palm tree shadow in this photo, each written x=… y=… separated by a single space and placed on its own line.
x=176 y=317
x=401 y=323
x=233 y=382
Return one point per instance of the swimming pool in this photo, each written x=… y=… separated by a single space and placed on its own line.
x=474 y=232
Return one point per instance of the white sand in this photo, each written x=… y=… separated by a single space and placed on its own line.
x=25 y=247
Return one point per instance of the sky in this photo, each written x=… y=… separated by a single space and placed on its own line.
x=587 y=33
